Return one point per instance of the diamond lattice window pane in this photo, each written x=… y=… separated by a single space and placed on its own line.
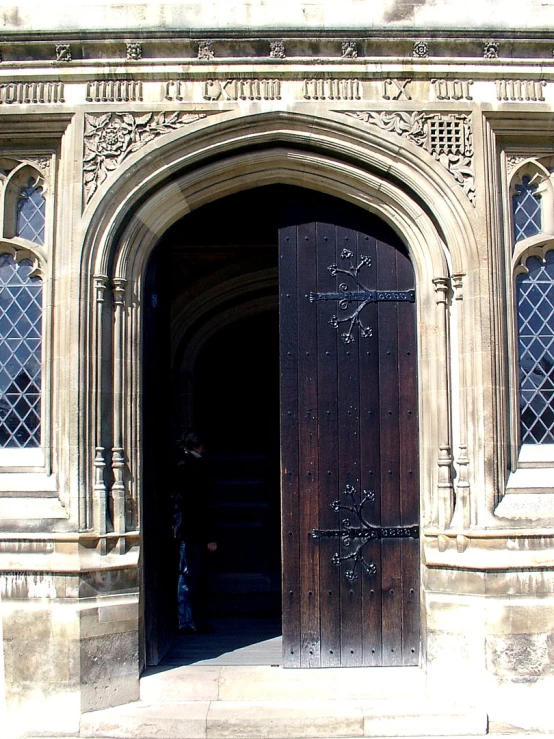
x=535 y=307
x=526 y=206
x=31 y=209
x=20 y=353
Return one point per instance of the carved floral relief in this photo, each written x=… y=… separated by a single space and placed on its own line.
x=448 y=138
x=111 y=137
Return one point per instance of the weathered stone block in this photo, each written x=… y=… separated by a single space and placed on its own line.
x=522 y=657
x=109 y=670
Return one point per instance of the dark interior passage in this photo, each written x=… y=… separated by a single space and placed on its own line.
x=211 y=362
x=236 y=399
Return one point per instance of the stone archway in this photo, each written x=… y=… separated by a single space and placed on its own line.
x=117 y=251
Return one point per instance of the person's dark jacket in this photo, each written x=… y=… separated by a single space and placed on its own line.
x=193 y=520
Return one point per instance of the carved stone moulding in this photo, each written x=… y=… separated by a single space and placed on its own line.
x=333 y=47
x=514 y=160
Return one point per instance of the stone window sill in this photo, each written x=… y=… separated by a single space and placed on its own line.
x=530 y=489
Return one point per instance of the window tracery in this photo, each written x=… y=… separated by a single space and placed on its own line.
x=532 y=214
x=23 y=237
x=526 y=203
x=535 y=318
x=30 y=216
x=20 y=353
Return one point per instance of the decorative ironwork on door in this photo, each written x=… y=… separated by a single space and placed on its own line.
x=362 y=295
x=359 y=536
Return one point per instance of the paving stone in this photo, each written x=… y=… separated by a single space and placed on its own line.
x=284 y=719
x=422 y=718
x=179 y=684
x=143 y=721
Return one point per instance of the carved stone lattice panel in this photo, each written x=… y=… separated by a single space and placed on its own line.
x=448 y=138
x=514 y=160
x=111 y=137
x=42 y=162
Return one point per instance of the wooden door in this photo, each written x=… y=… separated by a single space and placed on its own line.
x=349 y=440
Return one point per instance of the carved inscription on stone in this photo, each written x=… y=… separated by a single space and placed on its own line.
x=114 y=91
x=315 y=87
x=452 y=89
x=396 y=89
x=242 y=89
x=518 y=90
x=32 y=92
x=332 y=89
x=175 y=90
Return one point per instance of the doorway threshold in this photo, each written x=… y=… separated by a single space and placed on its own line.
x=229 y=642
x=249 y=702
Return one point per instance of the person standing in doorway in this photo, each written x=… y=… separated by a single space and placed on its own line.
x=193 y=530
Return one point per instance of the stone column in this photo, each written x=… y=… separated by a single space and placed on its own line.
x=118 y=451
x=97 y=517
x=443 y=507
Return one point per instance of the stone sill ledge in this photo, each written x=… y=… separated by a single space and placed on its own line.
x=475 y=65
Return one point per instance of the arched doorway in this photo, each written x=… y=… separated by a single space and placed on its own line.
x=348 y=388
x=211 y=287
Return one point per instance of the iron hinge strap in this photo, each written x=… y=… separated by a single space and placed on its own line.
x=368 y=296
x=373 y=532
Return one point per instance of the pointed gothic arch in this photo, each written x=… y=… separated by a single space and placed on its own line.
x=127 y=222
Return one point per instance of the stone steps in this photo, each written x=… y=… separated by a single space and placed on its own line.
x=246 y=683
x=282 y=719
x=272 y=703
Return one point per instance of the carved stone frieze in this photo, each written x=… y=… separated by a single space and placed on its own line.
x=111 y=137
x=205 y=50
x=421 y=50
x=349 y=50
x=134 y=51
x=490 y=49
x=277 y=49
x=448 y=138
x=63 y=53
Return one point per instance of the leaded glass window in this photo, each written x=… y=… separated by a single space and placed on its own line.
x=535 y=309
x=20 y=353
x=527 y=210
x=31 y=214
